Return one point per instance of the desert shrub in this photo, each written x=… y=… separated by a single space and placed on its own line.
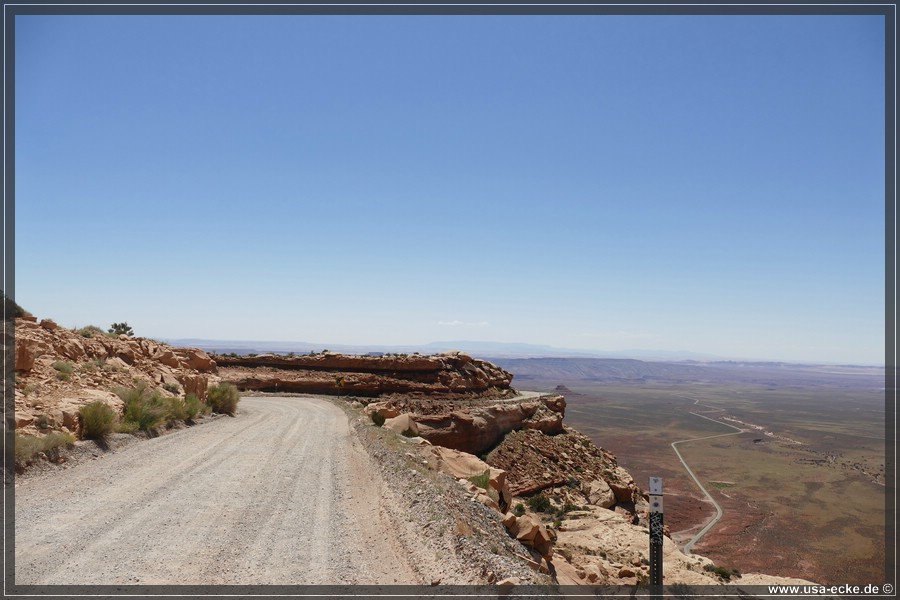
x=193 y=406
x=378 y=418
x=28 y=445
x=42 y=422
x=171 y=388
x=64 y=369
x=120 y=328
x=97 y=420
x=539 y=503
x=223 y=398
x=144 y=409
x=482 y=480
x=98 y=364
x=519 y=510
x=722 y=572
x=408 y=433
x=92 y=331
x=175 y=409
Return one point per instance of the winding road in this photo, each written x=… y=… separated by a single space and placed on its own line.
x=719 y=511
x=281 y=494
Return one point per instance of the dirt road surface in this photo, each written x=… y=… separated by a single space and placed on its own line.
x=280 y=494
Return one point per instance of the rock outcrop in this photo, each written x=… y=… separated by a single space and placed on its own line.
x=59 y=370
x=447 y=375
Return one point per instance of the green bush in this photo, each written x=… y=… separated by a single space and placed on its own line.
x=519 y=510
x=539 y=503
x=144 y=409
x=28 y=445
x=176 y=410
x=97 y=420
x=722 y=572
x=378 y=418
x=193 y=407
x=171 y=388
x=223 y=398
x=98 y=364
x=64 y=369
x=92 y=331
x=482 y=480
x=120 y=328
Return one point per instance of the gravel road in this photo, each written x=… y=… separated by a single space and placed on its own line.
x=281 y=494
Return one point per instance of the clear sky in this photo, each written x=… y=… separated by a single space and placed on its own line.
x=709 y=184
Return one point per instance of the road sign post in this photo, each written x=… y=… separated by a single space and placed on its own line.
x=656 y=533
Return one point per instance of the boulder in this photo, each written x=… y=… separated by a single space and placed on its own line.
x=463 y=466
x=166 y=357
x=599 y=493
x=48 y=324
x=529 y=530
x=198 y=359
x=193 y=384
x=71 y=348
x=25 y=355
x=402 y=423
x=385 y=409
x=622 y=485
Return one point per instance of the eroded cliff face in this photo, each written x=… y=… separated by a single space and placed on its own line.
x=59 y=370
x=449 y=375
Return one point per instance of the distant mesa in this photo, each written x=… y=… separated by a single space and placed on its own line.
x=562 y=389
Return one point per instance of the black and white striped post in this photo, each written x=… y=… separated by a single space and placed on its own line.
x=656 y=534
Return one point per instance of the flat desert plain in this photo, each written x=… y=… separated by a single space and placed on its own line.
x=802 y=488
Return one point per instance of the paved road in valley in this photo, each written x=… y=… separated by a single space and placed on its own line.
x=719 y=511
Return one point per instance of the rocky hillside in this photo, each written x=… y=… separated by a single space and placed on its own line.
x=59 y=370
x=573 y=513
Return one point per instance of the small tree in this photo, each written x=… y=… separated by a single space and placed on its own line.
x=120 y=328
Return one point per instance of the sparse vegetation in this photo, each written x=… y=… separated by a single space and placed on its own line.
x=519 y=510
x=100 y=364
x=193 y=407
x=42 y=422
x=408 y=433
x=121 y=328
x=97 y=420
x=64 y=370
x=539 y=503
x=27 y=446
x=175 y=410
x=172 y=388
x=144 y=409
x=723 y=572
x=482 y=480
x=90 y=331
x=722 y=485
x=223 y=398
x=378 y=418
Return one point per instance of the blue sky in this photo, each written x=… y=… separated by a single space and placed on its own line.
x=709 y=184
